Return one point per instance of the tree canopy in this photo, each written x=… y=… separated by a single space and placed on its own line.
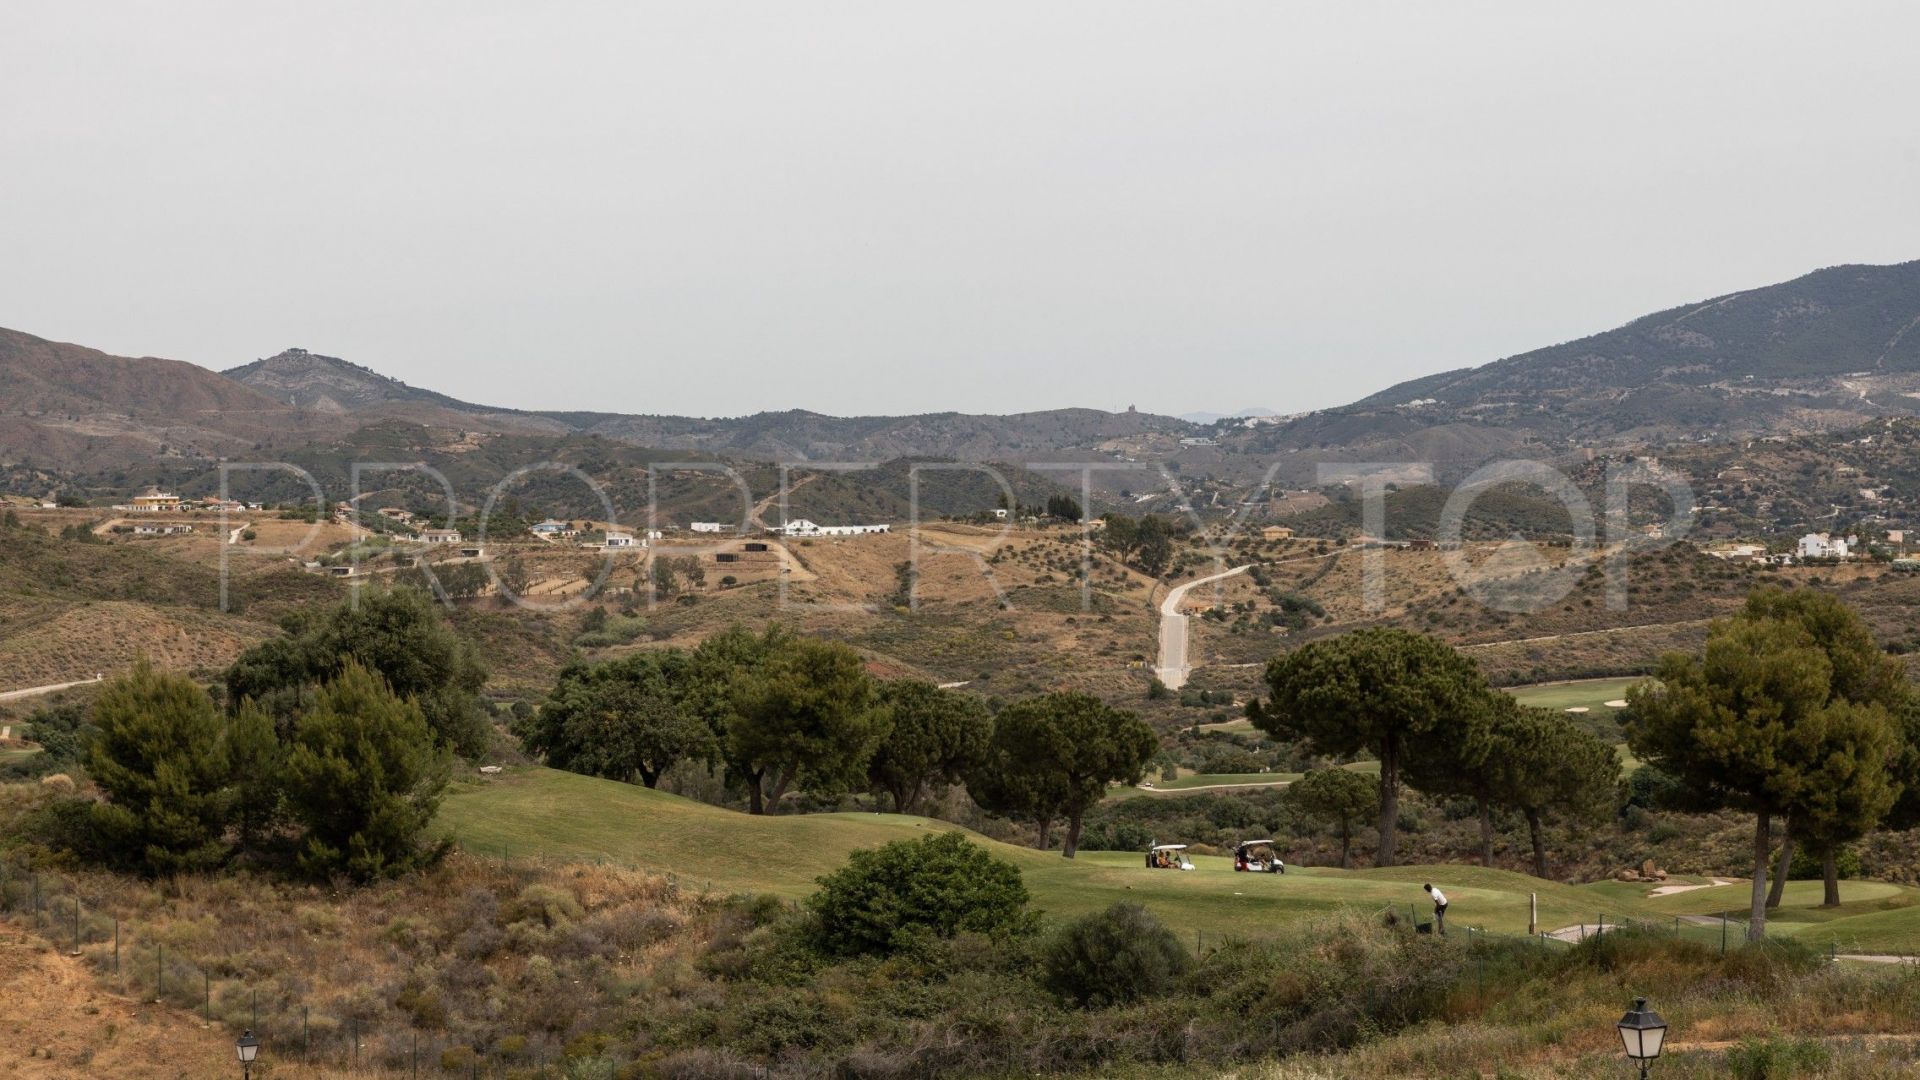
x=805 y=714
x=1382 y=690
x=158 y=755
x=1070 y=746
x=1545 y=767
x=935 y=736
x=621 y=719
x=363 y=778
x=397 y=633
x=1750 y=723
x=1339 y=797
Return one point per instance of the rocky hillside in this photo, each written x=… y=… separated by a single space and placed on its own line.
x=330 y=385
x=1823 y=352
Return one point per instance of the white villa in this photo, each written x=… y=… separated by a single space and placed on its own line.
x=707 y=527
x=803 y=527
x=440 y=536
x=1822 y=546
x=619 y=540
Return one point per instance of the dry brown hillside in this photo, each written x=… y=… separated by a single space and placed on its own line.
x=67 y=404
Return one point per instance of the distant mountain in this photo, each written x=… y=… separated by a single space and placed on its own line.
x=332 y=385
x=328 y=384
x=1823 y=352
x=61 y=403
x=1206 y=418
x=1826 y=350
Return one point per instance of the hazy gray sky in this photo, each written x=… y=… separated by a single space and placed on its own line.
x=716 y=208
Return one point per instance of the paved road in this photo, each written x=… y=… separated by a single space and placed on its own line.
x=35 y=691
x=1174 y=667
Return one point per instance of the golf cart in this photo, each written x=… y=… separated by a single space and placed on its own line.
x=1257 y=857
x=1168 y=857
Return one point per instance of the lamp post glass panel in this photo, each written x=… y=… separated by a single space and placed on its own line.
x=1642 y=1032
x=247 y=1048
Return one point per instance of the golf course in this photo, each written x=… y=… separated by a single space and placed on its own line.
x=546 y=814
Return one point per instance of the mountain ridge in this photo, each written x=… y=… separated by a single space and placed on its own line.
x=1825 y=351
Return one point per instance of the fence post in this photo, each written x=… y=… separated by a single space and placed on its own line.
x=159 y=974
x=206 y=994
x=1723 y=933
x=1533 y=913
x=116 y=951
x=76 y=921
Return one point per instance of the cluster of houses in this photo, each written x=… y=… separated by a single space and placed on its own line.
x=1811 y=546
x=162 y=502
x=613 y=539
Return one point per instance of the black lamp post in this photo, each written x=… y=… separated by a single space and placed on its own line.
x=1643 y=1033
x=247 y=1048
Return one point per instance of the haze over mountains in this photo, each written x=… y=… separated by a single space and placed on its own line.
x=1828 y=350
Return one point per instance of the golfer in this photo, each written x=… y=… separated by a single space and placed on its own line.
x=1439 y=909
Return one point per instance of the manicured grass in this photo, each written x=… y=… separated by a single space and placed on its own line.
x=1192 y=781
x=1592 y=694
x=1195 y=780
x=536 y=812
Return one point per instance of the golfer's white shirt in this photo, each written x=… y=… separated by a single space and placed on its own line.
x=1438 y=897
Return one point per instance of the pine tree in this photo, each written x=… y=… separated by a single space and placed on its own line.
x=363 y=779
x=158 y=756
x=1382 y=690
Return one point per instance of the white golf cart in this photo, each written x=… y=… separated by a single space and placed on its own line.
x=1168 y=857
x=1257 y=857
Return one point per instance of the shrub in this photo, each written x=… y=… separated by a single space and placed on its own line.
x=1113 y=957
x=159 y=757
x=887 y=898
x=363 y=779
x=1777 y=1059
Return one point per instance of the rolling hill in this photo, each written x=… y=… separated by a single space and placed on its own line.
x=65 y=404
x=1829 y=350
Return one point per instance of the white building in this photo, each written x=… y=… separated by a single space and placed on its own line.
x=707 y=527
x=1821 y=546
x=440 y=536
x=1740 y=552
x=803 y=527
x=619 y=540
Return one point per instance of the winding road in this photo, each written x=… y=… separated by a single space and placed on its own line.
x=35 y=691
x=1174 y=666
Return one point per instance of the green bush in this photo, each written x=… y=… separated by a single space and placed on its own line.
x=1113 y=957
x=1777 y=1059
x=888 y=898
